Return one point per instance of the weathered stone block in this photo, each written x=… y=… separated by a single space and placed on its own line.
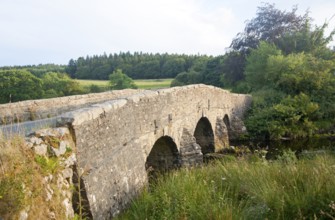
x=41 y=149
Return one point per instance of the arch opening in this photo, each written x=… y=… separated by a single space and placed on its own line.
x=163 y=156
x=204 y=136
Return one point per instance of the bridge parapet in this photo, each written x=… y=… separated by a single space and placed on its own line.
x=46 y=108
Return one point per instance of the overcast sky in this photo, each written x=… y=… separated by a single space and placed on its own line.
x=54 y=31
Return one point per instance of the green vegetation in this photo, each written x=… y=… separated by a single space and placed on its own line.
x=140 y=83
x=136 y=65
x=48 y=165
x=20 y=84
x=38 y=70
x=89 y=82
x=59 y=84
x=16 y=85
x=118 y=80
x=289 y=70
x=248 y=188
x=153 y=83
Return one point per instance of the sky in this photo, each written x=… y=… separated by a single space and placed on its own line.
x=36 y=32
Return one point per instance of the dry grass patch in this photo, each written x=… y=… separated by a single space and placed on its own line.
x=23 y=183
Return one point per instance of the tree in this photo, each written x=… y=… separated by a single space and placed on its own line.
x=308 y=39
x=17 y=85
x=172 y=67
x=59 y=84
x=71 y=68
x=187 y=78
x=119 y=80
x=233 y=68
x=256 y=74
x=270 y=25
x=213 y=71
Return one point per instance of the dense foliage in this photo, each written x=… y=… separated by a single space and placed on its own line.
x=38 y=70
x=290 y=72
x=16 y=85
x=136 y=65
x=207 y=71
x=119 y=80
x=20 y=84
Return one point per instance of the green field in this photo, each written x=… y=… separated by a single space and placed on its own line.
x=141 y=83
x=153 y=83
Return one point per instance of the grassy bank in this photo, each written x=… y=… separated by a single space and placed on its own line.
x=141 y=83
x=22 y=181
x=248 y=188
x=32 y=186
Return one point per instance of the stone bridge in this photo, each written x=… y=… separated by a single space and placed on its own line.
x=121 y=139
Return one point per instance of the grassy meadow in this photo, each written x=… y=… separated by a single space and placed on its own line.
x=247 y=188
x=140 y=83
x=153 y=83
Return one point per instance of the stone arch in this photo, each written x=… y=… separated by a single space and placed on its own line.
x=163 y=156
x=204 y=135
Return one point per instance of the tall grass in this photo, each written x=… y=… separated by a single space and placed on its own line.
x=248 y=188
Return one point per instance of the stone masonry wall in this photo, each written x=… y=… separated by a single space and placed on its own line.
x=45 y=108
x=114 y=138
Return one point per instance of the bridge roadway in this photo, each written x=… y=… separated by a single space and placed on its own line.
x=27 y=127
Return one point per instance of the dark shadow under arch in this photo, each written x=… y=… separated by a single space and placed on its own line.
x=204 y=135
x=226 y=120
x=163 y=156
x=227 y=123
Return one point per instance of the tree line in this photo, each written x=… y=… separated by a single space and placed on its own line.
x=136 y=65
